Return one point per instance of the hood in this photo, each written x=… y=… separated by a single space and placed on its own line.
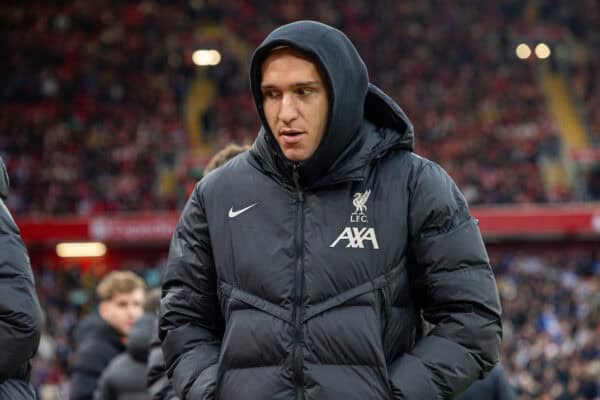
x=3 y=180
x=140 y=336
x=341 y=63
x=352 y=100
x=93 y=327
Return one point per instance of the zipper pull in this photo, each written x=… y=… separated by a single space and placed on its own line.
x=296 y=177
x=386 y=303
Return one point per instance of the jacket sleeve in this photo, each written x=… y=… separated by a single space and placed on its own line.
x=20 y=313
x=157 y=382
x=455 y=289
x=105 y=390
x=91 y=359
x=191 y=324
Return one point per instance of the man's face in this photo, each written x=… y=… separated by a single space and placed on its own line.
x=122 y=310
x=295 y=102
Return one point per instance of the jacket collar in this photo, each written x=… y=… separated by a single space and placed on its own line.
x=385 y=126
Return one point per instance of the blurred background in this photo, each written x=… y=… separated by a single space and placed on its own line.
x=110 y=109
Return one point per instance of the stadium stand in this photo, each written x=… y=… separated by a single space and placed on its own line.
x=99 y=94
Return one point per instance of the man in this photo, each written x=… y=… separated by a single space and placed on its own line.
x=125 y=377
x=304 y=268
x=102 y=337
x=20 y=312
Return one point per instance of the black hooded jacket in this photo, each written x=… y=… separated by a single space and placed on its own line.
x=20 y=312
x=311 y=280
x=125 y=376
x=97 y=344
x=158 y=383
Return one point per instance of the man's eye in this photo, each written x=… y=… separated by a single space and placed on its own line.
x=304 y=91
x=270 y=94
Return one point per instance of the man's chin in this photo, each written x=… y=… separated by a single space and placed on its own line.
x=295 y=155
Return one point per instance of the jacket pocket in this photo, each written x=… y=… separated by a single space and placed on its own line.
x=234 y=298
x=344 y=297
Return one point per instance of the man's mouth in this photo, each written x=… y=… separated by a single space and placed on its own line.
x=291 y=136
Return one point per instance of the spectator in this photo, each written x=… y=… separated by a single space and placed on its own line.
x=125 y=376
x=101 y=337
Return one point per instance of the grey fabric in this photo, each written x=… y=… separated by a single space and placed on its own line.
x=158 y=383
x=494 y=387
x=16 y=389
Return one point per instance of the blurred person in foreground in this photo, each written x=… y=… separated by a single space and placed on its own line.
x=101 y=337
x=303 y=268
x=20 y=312
x=125 y=377
x=158 y=384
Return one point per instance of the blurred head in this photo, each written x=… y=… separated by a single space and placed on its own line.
x=121 y=295
x=152 y=301
x=295 y=102
x=224 y=155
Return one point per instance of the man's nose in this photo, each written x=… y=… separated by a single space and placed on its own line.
x=288 y=111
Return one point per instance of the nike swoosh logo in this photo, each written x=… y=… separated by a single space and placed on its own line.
x=233 y=214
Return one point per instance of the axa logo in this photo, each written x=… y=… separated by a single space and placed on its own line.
x=357 y=237
x=360 y=204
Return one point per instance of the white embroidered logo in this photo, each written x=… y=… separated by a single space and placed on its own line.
x=356 y=237
x=233 y=214
x=359 y=203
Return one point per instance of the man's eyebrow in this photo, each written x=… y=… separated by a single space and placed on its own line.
x=294 y=85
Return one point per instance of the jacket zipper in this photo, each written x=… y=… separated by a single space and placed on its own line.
x=299 y=289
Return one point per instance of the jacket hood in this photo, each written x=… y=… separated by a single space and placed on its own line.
x=3 y=180
x=351 y=98
x=94 y=326
x=140 y=336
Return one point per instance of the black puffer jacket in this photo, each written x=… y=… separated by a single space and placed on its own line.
x=310 y=281
x=158 y=383
x=20 y=312
x=125 y=376
x=97 y=344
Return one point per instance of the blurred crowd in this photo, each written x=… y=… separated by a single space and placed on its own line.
x=93 y=108
x=583 y=60
x=551 y=322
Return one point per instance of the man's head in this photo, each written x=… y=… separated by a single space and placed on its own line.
x=224 y=155
x=121 y=295
x=316 y=130
x=295 y=102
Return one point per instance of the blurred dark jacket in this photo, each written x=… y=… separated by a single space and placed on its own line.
x=125 y=376
x=159 y=386
x=20 y=312
x=97 y=343
x=494 y=387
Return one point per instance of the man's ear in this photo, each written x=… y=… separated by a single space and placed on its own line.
x=103 y=309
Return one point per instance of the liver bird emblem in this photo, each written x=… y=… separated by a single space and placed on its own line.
x=359 y=202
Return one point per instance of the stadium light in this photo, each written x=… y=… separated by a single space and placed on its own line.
x=523 y=51
x=81 y=249
x=206 y=57
x=542 y=51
